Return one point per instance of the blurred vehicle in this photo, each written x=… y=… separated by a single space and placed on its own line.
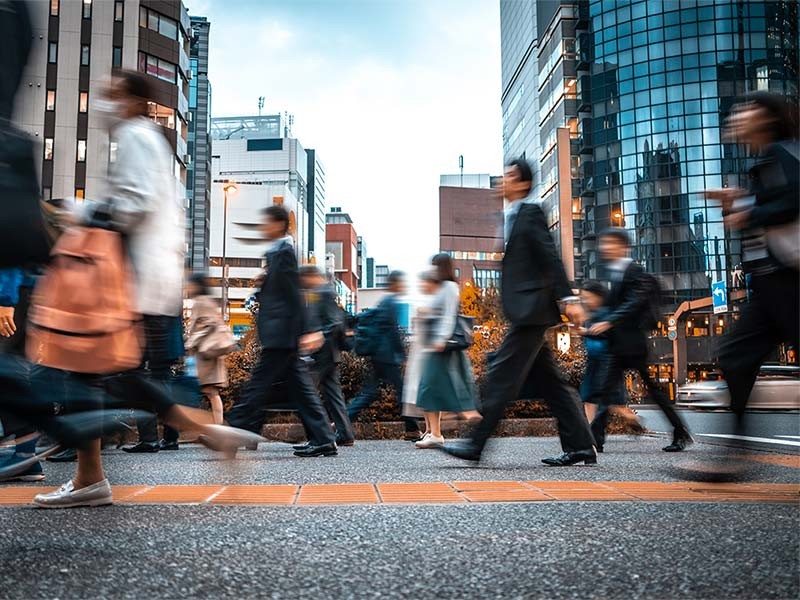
x=776 y=388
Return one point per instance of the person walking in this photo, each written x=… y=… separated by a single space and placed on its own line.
x=205 y=320
x=533 y=282
x=446 y=383
x=286 y=334
x=387 y=360
x=320 y=299
x=630 y=307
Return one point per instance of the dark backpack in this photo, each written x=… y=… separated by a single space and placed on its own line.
x=651 y=314
x=345 y=331
x=367 y=333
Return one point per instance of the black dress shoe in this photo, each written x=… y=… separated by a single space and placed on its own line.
x=142 y=448
x=680 y=440
x=599 y=449
x=168 y=446
x=301 y=446
x=313 y=451
x=251 y=447
x=587 y=457
x=345 y=442
x=462 y=450
x=68 y=455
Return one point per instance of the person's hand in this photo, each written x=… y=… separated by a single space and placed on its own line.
x=725 y=196
x=7 y=325
x=311 y=342
x=600 y=328
x=737 y=220
x=575 y=313
x=439 y=347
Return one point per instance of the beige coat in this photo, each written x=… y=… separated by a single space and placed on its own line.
x=205 y=314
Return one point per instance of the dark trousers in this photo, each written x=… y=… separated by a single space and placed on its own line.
x=771 y=317
x=163 y=346
x=523 y=356
x=16 y=345
x=330 y=388
x=274 y=366
x=381 y=373
x=617 y=366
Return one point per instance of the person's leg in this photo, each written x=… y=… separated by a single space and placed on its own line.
x=658 y=395
x=590 y=410
x=215 y=400
x=333 y=398
x=564 y=404
x=90 y=465
x=599 y=425
x=368 y=394
x=392 y=375
x=434 y=423
x=309 y=406
x=508 y=370
x=248 y=411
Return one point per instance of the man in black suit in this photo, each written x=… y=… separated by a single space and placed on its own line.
x=388 y=357
x=320 y=299
x=629 y=307
x=532 y=285
x=285 y=333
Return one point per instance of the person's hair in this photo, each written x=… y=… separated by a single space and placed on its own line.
x=136 y=85
x=279 y=214
x=396 y=277
x=200 y=281
x=444 y=267
x=524 y=168
x=782 y=114
x=431 y=275
x=310 y=271
x=617 y=233
x=596 y=288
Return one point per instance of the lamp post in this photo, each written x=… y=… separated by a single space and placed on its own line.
x=232 y=189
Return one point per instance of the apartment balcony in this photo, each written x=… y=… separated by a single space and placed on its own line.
x=582 y=12
x=583 y=91
x=584 y=51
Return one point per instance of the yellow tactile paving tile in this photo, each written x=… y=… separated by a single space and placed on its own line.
x=354 y=493
x=782 y=460
x=578 y=490
x=256 y=494
x=488 y=486
x=506 y=496
x=175 y=494
x=418 y=493
x=23 y=494
x=123 y=492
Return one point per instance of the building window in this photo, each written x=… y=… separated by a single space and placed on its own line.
x=83 y=102
x=156 y=22
x=48 y=148
x=53 y=8
x=116 y=57
x=156 y=67
x=163 y=115
x=52 y=53
x=51 y=100
x=119 y=10
x=87 y=9
x=81 y=150
x=85 y=55
x=79 y=194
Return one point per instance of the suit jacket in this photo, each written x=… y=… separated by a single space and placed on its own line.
x=323 y=310
x=533 y=277
x=626 y=303
x=282 y=317
x=391 y=349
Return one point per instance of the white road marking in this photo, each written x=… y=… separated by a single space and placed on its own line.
x=747 y=438
x=791 y=437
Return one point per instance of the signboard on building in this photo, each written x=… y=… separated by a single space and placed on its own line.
x=719 y=296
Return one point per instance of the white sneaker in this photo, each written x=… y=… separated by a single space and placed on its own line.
x=430 y=441
x=97 y=494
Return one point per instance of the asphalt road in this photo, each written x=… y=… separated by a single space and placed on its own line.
x=766 y=430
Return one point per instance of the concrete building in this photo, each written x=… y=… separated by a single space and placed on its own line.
x=369 y=273
x=198 y=176
x=316 y=207
x=382 y=276
x=76 y=44
x=342 y=248
x=470 y=224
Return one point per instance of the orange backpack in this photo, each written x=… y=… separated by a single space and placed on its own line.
x=82 y=316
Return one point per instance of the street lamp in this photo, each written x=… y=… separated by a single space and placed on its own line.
x=228 y=188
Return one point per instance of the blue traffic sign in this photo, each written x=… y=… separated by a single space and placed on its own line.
x=719 y=296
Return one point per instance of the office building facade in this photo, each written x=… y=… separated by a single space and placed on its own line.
x=76 y=45
x=342 y=244
x=316 y=207
x=198 y=172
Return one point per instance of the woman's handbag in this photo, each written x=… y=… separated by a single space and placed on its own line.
x=463 y=336
x=214 y=341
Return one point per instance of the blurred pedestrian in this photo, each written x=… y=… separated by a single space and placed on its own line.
x=533 y=282
x=320 y=299
x=446 y=384
x=286 y=335
x=388 y=357
x=630 y=312
x=205 y=323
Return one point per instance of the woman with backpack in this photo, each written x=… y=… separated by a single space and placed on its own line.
x=446 y=384
x=207 y=329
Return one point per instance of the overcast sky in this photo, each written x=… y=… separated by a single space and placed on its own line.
x=389 y=92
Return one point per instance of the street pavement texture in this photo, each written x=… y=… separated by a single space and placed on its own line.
x=493 y=550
